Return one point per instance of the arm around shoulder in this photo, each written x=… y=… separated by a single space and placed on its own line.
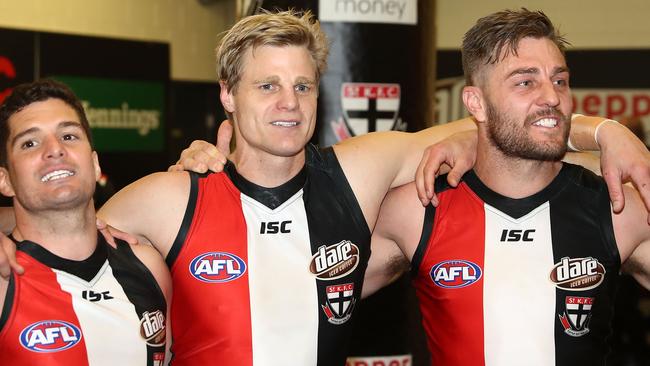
x=152 y=208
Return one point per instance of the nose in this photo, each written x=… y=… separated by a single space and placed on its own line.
x=53 y=148
x=288 y=100
x=548 y=95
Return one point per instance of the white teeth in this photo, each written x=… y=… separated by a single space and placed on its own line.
x=546 y=122
x=57 y=174
x=284 y=123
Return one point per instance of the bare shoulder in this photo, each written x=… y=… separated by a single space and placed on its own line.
x=151 y=208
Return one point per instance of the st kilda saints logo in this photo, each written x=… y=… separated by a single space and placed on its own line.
x=577 y=315
x=577 y=274
x=369 y=107
x=334 y=261
x=340 y=303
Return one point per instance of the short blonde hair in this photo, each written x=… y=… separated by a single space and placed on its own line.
x=286 y=28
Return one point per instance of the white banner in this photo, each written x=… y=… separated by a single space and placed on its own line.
x=369 y=11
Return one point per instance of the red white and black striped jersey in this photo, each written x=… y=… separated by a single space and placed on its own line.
x=527 y=281
x=268 y=276
x=105 y=310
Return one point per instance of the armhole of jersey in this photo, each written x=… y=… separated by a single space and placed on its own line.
x=427 y=229
x=331 y=160
x=9 y=302
x=141 y=266
x=608 y=229
x=187 y=221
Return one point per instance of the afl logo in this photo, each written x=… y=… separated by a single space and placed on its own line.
x=50 y=336
x=455 y=273
x=217 y=267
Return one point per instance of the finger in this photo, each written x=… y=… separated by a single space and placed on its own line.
x=457 y=171
x=132 y=240
x=175 y=168
x=431 y=170
x=419 y=180
x=615 y=188
x=224 y=135
x=108 y=237
x=216 y=165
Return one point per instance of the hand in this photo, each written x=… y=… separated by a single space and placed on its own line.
x=110 y=233
x=202 y=155
x=458 y=151
x=624 y=158
x=8 y=258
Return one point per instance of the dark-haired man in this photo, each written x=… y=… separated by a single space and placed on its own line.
x=80 y=301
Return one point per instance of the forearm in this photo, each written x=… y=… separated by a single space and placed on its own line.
x=583 y=132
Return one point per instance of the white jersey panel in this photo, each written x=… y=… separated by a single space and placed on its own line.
x=518 y=257
x=106 y=307
x=283 y=332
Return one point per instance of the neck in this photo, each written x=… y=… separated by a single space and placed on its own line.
x=512 y=177
x=70 y=234
x=267 y=170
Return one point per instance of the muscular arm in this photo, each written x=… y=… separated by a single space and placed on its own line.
x=151 y=208
x=633 y=237
x=379 y=161
x=395 y=238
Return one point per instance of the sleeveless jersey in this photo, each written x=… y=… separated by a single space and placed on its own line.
x=527 y=281
x=268 y=276
x=104 y=310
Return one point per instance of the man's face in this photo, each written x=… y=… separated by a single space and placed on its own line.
x=50 y=164
x=528 y=102
x=274 y=107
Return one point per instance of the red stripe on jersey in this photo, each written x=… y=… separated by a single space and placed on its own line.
x=452 y=305
x=40 y=301
x=210 y=311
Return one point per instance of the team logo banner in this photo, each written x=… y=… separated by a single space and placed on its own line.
x=370 y=106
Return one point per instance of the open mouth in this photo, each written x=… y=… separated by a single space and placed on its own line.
x=546 y=122
x=285 y=123
x=57 y=174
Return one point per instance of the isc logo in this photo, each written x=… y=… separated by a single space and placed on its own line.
x=517 y=235
x=50 y=336
x=455 y=273
x=274 y=227
x=216 y=267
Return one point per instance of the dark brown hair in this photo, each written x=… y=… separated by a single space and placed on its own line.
x=25 y=94
x=497 y=35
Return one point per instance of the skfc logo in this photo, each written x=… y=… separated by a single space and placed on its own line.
x=455 y=273
x=50 y=336
x=217 y=267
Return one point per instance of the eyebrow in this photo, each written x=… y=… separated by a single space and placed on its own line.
x=62 y=124
x=535 y=71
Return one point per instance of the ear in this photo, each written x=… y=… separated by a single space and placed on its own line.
x=226 y=97
x=6 y=188
x=98 y=169
x=475 y=102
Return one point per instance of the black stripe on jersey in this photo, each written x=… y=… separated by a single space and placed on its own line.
x=516 y=207
x=427 y=229
x=269 y=197
x=187 y=221
x=9 y=301
x=582 y=227
x=334 y=215
x=440 y=185
x=85 y=269
x=140 y=287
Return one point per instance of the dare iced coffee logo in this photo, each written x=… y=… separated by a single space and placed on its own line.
x=334 y=261
x=578 y=274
